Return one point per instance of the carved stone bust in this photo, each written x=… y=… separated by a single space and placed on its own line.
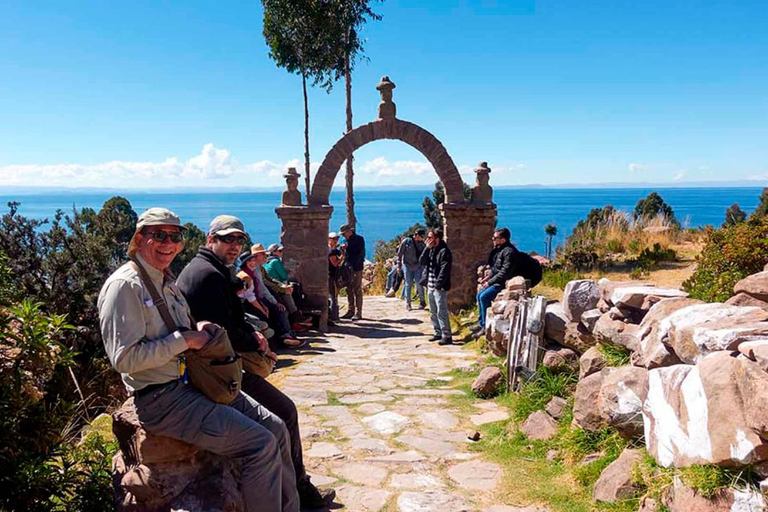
x=291 y=195
x=387 y=108
x=482 y=193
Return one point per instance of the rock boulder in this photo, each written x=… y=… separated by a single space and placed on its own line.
x=695 y=331
x=488 y=381
x=615 y=333
x=590 y=362
x=621 y=398
x=743 y=299
x=579 y=296
x=586 y=407
x=555 y=322
x=561 y=359
x=616 y=482
x=635 y=296
x=539 y=426
x=710 y=413
x=577 y=338
x=755 y=285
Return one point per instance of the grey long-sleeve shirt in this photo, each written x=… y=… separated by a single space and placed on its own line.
x=137 y=341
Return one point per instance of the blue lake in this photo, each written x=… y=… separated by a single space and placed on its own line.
x=382 y=214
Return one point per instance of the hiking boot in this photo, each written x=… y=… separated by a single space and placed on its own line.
x=445 y=341
x=408 y=307
x=347 y=315
x=436 y=337
x=422 y=306
x=310 y=497
x=476 y=328
x=355 y=318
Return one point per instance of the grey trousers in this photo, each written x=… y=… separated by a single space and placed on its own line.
x=438 y=312
x=355 y=294
x=243 y=430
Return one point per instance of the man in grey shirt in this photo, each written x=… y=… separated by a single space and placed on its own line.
x=147 y=354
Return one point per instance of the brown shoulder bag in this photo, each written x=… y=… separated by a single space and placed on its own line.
x=215 y=369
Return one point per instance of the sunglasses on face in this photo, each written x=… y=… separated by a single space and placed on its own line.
x=163 y=236
x=228 y=239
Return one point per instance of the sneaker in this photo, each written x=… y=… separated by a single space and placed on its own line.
x=310 y=497
x=299 y=327
x=445 y=341
x=476 y=328
x=478 y=335
x=436 y=337
x=422 y=306
x=347 y=315
x=408 y=307
x=355 y=318
x=390 y=293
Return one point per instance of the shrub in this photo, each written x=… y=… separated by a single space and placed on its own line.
x=653 y=206
x=558 y=277
x=729 y=255
x=734 y=215
x=649 y=258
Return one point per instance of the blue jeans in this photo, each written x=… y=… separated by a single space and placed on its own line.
x=438 y=312
x=484 y=299
x=411 y=277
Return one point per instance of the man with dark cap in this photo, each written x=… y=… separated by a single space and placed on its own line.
x=149 y=353
x=408 y=254
x=208 y=283
x=355 y=256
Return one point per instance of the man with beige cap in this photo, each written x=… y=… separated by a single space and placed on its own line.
x=149 y=357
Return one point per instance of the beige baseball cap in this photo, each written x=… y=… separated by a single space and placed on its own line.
x=153 y=217
x=226 y=225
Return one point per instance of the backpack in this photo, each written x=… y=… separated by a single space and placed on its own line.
x=215 y=370
x=530 y=268
x=346 y=274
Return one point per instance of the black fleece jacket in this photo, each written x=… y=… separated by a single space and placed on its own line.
x=504 y=263
x=209 y=288
x=440 y=259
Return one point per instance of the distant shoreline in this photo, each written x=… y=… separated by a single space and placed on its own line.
x=41 y=190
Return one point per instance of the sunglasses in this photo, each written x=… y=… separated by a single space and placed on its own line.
x=163 y=236
x=228 y=239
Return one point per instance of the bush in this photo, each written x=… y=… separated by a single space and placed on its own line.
x=558 y=277
x=651 y=207
x=729 y=255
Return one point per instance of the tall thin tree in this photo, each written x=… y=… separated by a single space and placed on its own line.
x=302 y=38
x=551 y=231
x=350 y=18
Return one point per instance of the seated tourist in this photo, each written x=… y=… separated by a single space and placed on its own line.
x=244 y=288
x=271 y=310
x=147 y=353
x=394 y=277
x=284 y=290
x=207 y=284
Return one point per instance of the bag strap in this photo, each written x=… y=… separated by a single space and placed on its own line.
x=157 y=299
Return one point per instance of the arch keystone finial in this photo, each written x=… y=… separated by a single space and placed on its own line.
x=387 y=108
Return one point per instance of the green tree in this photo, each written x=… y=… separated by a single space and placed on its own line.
x=762 y=208
x=300 y=36
x=350 y=17
x=734 y=215
x=551 y=231
x=653 y=206
x=432 y=217
x=194 y=237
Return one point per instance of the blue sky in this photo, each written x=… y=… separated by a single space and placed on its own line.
x=166 y=94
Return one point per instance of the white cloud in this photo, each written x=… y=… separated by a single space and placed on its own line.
x=382 y=167
x=633 y=167
x=680 y=175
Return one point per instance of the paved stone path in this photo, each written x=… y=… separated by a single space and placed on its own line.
x=378 y=425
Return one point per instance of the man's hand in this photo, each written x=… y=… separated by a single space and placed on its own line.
x=261 y=341
x=209 y=327
x=197 y=339
x=271 y=355
x=280 y=307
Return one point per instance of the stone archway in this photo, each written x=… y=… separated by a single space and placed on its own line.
x=468 y=225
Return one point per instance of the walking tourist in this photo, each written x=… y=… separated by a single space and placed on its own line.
x=148 y=354
x=436 y=261
x=335 y=259
x=505 y=262
x=408 y=254
x=208 y=286
x=355 y=255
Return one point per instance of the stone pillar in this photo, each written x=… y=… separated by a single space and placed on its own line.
x=468 y=232
x=304 y=236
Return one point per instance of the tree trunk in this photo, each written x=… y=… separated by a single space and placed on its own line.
x=351 y=219
x=306 y=135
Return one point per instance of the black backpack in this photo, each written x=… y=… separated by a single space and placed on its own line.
x=529 y=268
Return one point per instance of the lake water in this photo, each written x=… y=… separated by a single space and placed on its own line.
x=382 y=214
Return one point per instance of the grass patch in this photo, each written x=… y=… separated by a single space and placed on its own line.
x=558 y=277
x=614 y=356
x=535 y=393
x=333 y=398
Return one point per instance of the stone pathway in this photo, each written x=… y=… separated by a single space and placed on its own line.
x=378 y=425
